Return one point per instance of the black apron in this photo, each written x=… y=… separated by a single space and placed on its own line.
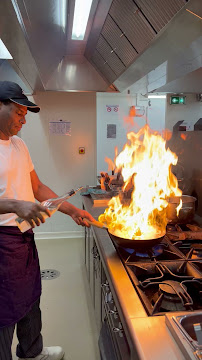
x=20 y=279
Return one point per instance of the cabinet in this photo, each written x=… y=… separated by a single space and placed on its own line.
x=93 y=269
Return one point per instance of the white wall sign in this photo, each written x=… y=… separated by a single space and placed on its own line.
x=60 y=127
x=112 y=108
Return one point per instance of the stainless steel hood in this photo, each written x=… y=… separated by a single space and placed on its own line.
x=124 y=42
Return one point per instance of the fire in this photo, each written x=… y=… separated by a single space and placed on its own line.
x=179 y=207
x=145 y=164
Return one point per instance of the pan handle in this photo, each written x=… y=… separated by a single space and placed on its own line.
x=95 y=223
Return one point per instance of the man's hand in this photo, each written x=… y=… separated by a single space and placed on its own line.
x=32 y=212
x=78 y=215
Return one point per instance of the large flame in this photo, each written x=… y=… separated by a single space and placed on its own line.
x=145 y=164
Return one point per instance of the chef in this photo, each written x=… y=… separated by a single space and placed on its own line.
x=20 y=280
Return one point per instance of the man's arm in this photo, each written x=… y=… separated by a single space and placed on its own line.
x=43 y=192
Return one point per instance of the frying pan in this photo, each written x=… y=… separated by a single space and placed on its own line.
x=129 y=243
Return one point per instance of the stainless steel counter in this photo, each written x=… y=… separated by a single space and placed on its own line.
x=148 y=336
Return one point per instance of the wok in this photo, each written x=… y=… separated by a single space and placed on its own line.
x=129 y=243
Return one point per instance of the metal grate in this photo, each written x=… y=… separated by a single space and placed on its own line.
x=160 y=12
x=49 y=274
x=132 y=23
x=109 y=55
x=118 y=42
x=103 y=67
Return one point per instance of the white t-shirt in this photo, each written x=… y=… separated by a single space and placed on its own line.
x=15 y=180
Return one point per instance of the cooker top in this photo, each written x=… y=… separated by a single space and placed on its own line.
x=168 y=276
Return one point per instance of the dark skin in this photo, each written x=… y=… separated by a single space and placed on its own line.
x=12 y=118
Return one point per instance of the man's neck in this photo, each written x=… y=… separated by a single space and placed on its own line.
x=3 y=136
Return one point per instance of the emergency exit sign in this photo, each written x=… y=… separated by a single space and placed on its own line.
x=175 y=100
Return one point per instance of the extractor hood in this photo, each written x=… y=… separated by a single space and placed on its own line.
x=124 y=42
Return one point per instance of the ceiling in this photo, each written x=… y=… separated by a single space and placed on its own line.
x=124 y=42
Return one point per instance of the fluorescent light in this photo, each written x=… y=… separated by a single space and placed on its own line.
x=81 y=15
x=4 y=53
x=63 y=13
x=156 y=96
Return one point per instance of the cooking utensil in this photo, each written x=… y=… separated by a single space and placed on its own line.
x=130 y=243
x=186 y=213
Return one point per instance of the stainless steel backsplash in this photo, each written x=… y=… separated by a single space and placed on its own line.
x=189 y=152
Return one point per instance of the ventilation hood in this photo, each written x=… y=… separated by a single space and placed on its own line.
x=125 y=42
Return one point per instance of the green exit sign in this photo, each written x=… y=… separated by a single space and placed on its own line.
x=174 y=100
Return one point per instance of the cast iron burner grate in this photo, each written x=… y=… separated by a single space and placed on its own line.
x=167 y=286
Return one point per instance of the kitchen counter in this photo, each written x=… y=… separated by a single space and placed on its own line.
x=148 y=336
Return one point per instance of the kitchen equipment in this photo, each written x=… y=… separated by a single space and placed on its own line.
x=185 y=214
x=52 y=205
x=167 y=277
x=130 y=243
x=186 y=329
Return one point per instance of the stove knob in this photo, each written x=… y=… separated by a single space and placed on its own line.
x=109 y=298
x=117 y=330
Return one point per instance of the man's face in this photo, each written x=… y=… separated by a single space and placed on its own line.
x=12 y=117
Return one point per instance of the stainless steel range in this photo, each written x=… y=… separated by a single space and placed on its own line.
x=168 y=280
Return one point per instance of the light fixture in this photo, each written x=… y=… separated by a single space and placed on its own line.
x=156 y=96
x=4 y=53
x=81 y=15
x=63 y=13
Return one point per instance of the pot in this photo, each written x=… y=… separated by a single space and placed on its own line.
x=186 y=213
x=130 y=243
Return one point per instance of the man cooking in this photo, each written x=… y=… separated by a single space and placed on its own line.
x=20 y=280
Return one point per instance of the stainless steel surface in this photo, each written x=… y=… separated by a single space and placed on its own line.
x=49 y=274
x=185 y=214
x=13 y=37
x=148 y=336
x=124 y=41
x=181 y=326
x=180 y=33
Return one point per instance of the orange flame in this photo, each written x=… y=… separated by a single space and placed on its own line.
x=183 y=136
x=145 y=164
x=179 y=207
x=111 y=164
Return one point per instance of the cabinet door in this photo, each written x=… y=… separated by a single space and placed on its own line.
x=87 y=252
x=97 y=287
x=91 y=264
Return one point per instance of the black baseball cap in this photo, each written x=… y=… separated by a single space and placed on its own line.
x=12 y=91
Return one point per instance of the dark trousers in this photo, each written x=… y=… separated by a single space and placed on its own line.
x=28 y=334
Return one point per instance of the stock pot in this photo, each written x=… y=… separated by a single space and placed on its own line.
x=186 y=213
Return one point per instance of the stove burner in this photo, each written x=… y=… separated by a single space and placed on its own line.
x=169 y=296
x=196 y=251
x=154 y=252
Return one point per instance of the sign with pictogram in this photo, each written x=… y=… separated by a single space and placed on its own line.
x=112 y=108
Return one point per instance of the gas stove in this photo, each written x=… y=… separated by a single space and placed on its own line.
x=168 y=276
